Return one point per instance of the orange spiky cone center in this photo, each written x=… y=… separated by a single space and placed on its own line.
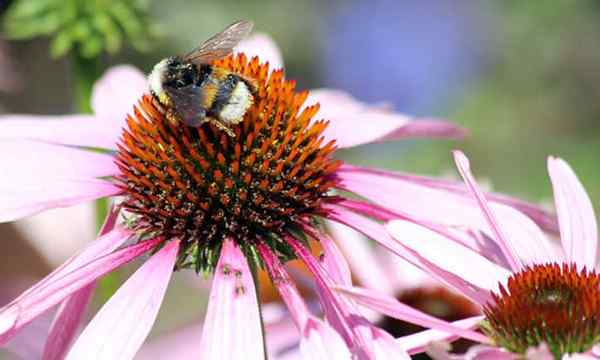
x=552 y=304
x=202 y=186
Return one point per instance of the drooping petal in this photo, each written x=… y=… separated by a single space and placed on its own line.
x=362 y=258
x=115 y=93
x=121 y=326
x=32 y=162
x=451 y=209
x=232 y=327
x=263 y=46
x=20 y=200
x=376 y=124
x=181 y=344
x=508 y=248
x=50 y=292
x=393 y=308
x=449 y=255
x=104 y=245
x=578 y=229
x=66 y=323
x=378 y=233
x=541 y=216
x=72 y=310
x=416 y=343
x=333 y=260
x=76 y=130
x=318 y=340
x=322 y=342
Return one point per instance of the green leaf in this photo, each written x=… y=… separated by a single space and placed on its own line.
x=61 y=44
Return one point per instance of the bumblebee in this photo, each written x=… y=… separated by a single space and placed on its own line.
x=193 y=91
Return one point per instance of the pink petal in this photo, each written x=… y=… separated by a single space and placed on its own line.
x=338 y=310
x=451 y=209
x=385 y=346
x=365 y=264
x=449 y=255
x=40 y=298
x=121 y=326
x=114 y=95
x=346 y=115
x=285 y=286
x=416 y=343
x=379 y=234
x=578 y=230
x=462 y=163
x=542 y=352
x=232 y=327
x=322 y=342
x=333 y=261
x=181 y=344
x=542 y=217
x=491 y=353
x=31 y=162
x=20 y=200
x=77 y=130
x=391 y=307
x=319 y=341
x=72 y=310
x=66 y=323
x=263 y=46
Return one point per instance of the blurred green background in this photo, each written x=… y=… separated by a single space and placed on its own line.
x=522 y=76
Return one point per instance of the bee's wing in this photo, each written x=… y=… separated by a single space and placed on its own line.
x=187 y=102
x=221 y=44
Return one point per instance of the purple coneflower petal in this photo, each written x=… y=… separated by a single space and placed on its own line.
x=322 y=342
x=451 y=209
x=578 y=229
x=449 y=255
x=76 y=130
x=263 y=46
x=462 y=163
x=62 y=284
x=121 y=326
x=66 y=323
x=22 y=200
x=181 y=344
x=362 y=257
x=30 y=161
x=378 y=233
x=318 y=340
x=115 y=93
x=391 y=307
x=416 y=343
x=354 y=123
x=72 y=310
x=542 y=217
x=334 y=262
x=232 y=327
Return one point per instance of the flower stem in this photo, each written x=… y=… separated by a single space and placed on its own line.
x=86 y=71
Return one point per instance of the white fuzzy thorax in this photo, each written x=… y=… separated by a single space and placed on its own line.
x=155 y=77
x=239 y=102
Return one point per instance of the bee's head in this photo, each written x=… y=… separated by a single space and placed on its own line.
x=173 y=72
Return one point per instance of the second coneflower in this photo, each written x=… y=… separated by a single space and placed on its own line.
x=194 y=198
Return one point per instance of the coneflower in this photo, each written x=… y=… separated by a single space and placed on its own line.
x=193 y=198
x=538 y=299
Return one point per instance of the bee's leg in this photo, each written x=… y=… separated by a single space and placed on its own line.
x=222 y=126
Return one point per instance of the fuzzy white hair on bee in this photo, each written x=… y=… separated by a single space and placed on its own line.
x=155 y=79
x=240 y=101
